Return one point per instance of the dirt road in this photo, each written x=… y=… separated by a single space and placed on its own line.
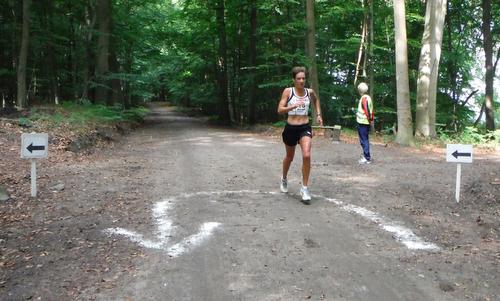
x=179 y=210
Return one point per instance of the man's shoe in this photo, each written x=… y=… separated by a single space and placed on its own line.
x=306 y=196
x=364 y=161
x=284 y=185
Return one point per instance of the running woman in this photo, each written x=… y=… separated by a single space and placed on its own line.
x=295 y=102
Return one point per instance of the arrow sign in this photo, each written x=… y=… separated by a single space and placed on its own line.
x=32 y=148
x=456 y=154
x=34 y=145
x=459 y=153
x=38 y=142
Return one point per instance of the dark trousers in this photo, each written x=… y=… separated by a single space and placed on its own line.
x=363 y=131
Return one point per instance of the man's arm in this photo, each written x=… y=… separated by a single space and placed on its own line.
x=366 y=109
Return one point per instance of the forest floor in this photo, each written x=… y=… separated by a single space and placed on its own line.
x=269 y=245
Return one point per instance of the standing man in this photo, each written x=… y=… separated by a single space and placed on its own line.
x=364 y=117
x=295 y=102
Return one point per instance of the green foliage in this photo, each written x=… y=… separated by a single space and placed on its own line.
x=25 y=122
x=81 y=114
x=472 y=135
x=279 y=124
x=169 y=49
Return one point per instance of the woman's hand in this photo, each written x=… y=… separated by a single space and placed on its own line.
x=299 y=104
x=319 y=120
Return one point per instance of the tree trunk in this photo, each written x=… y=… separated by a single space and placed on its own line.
x=452 y=65
x=311 y=44
x=424 y=75
x=440 y=13
x=90 y=19
x=362 y=55
x=72 y=53
x=222 y=64
x=430 y=55
x=127 y=66
x=480 y=115
x=253 y=62
x=22 y=100
x=405 y=127
x=490 y=73
x=115 y=82
x=237 y=86
x=51 y=59
x=370 y=51
x=102 y=66
x=361 y=52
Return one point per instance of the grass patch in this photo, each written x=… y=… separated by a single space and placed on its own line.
x=280 y=124
x=75 y=114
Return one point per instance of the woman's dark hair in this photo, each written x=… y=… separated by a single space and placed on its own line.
x=297 y=70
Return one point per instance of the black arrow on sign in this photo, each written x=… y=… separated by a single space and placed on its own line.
x=32 y=147
x=456 y=154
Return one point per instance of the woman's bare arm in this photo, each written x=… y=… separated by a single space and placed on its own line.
x=282 y=107
x=317 y=106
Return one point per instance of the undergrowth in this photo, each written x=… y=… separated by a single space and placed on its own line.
x=75 y=114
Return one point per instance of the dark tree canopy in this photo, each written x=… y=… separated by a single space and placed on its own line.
x=232 y=58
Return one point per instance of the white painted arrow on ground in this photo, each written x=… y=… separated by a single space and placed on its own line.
x=164 y=224
x=163 y=234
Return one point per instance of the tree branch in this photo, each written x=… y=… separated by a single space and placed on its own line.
x=496 y=61
x=480 y=115
x=468 y=98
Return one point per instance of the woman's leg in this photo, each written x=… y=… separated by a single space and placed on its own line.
x=305 y=144
x=290 y=153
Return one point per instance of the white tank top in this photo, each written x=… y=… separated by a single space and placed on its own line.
x=303 y=110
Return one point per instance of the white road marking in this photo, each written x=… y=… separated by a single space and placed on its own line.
x=192 y=241
x=135 y=237
x=400 y=233
x=165 y=225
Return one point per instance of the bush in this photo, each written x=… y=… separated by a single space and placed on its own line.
x=472 y=135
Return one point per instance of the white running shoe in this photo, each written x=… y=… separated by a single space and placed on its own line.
x=284 y=185
x=306 y=196
x=364 y=161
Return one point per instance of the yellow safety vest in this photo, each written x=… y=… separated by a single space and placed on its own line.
x=365 y=110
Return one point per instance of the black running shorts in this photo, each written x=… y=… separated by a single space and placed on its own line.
x=292 y=133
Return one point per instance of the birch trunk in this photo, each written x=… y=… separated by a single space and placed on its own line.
x=430 y=55
x=405 y=127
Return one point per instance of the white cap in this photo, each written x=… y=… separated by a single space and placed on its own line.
x=362 y=88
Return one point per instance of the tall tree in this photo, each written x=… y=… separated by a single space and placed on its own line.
x=362 y=55
x=102 y=66
x=428 y=69
x=47 y=22
x=22 y=99
x=490 y=72
x=89 y=23
x=253 y=62
x=370 y=52
x=311 y=44
x=405 y=127
x=222 y=79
